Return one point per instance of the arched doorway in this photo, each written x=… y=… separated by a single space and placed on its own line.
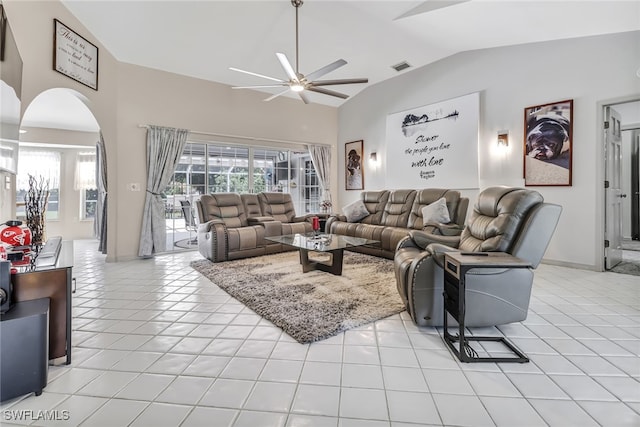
x=58 y=136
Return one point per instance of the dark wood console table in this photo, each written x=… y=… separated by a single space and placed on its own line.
x=457 y=264
x=53 y=282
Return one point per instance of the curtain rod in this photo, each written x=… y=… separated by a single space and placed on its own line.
x=249 y=138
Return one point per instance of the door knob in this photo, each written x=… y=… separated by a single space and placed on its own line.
x=624 y=196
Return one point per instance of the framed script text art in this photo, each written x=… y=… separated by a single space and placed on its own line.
x=74 y=56
x=548 y=144
x=354 y=175
x=435 y=145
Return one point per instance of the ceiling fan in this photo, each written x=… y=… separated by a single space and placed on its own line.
x=298 y=82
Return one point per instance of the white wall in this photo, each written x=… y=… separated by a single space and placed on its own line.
x=510 y=79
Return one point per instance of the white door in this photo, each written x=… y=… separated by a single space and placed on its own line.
x=613 y=192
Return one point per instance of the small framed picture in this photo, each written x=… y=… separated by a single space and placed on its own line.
x=74 y=56
x=548 y=144
x=354 y=174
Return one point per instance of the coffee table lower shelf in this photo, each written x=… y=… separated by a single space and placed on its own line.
x=330 y=244
x=333 y=267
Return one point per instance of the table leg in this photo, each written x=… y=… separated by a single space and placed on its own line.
x=335 y=267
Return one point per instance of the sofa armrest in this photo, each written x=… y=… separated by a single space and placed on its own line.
x=438 y=228
x=422 y=239
x=207 y=226
x=270 y=225
x=437 y=251
x=213 y=242
x=259 y=219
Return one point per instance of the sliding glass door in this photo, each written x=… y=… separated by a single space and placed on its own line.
x=220 y=168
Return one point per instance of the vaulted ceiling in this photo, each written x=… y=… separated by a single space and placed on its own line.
x=204 y=38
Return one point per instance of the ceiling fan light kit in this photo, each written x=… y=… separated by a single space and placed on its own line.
x=298 y=82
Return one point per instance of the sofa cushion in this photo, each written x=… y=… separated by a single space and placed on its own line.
x=496 y=219
x=375 y=202
x=436 y=212
x=226 y=207
x=279 y=206
x=355 y=211
x=251 y=205
x=398 y=207
x=427 y=196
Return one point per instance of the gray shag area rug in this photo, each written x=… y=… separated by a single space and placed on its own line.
x=309 y=306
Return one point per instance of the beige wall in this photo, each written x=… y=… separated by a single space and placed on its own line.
x=149 y=96
x=129 y=95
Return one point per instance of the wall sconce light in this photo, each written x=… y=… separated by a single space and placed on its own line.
x=373 y=157
x=503 y=138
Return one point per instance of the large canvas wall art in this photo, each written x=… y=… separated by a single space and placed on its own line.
x=435 y=145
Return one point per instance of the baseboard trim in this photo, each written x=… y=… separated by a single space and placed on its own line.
x=570 y=265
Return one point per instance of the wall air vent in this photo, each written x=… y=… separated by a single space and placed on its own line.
x=401 y=66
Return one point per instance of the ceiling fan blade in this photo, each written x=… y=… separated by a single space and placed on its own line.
x=326 y=69
x=287 y=66
x=257 y=75
x=304 y=97
x=328 y=92
x=259 y=86
x=276 y=95
x=338 y=82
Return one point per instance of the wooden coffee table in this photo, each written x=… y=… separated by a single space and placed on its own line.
x=332 y=244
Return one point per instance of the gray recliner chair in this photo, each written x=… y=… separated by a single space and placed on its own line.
x=504 y=219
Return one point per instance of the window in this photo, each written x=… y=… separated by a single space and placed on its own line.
x=43 y=165
x=88 y=203
x=227 y=169
x=311 y=188
x=85 y=183
x=243 y=169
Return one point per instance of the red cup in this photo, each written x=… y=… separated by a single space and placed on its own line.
x=315 y=223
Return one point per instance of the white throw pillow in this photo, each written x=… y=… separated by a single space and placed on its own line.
x=355 y=211
x=436 y=212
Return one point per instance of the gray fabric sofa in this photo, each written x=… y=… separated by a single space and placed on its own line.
x=234 y=226
x=392 y=215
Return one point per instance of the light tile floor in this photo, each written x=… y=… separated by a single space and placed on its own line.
x=156 y=344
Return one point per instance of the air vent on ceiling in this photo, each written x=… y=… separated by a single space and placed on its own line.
x=401 y=66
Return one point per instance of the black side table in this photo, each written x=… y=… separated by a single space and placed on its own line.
x=24 y=339
x=457 y=264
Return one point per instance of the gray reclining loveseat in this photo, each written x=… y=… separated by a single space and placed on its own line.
x=234 y=226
